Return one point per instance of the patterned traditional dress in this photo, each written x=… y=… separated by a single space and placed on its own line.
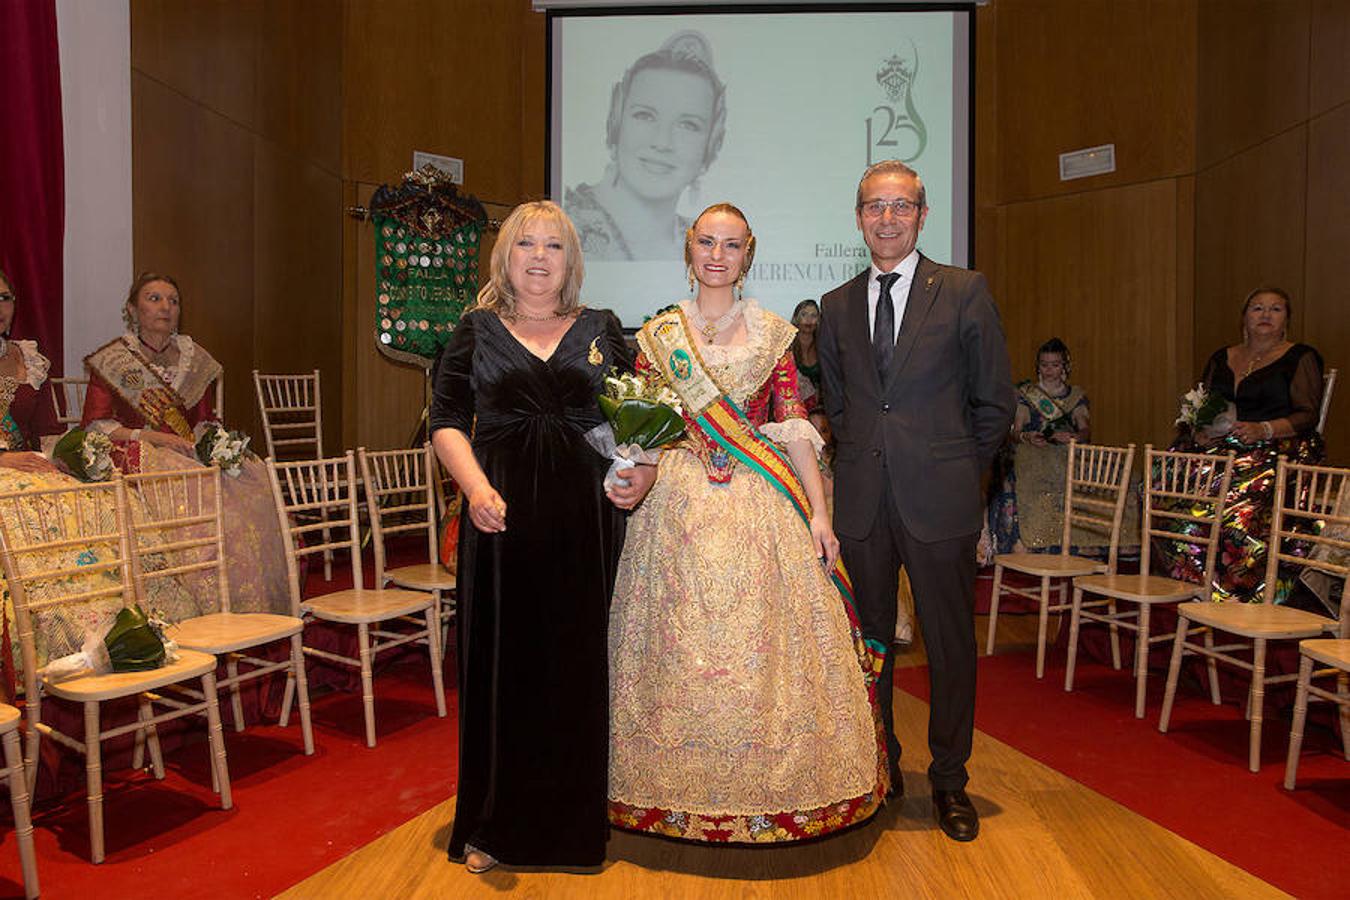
x=127 y=390
x=739 y=706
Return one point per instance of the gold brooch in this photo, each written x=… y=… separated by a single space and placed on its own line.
x=594 y=356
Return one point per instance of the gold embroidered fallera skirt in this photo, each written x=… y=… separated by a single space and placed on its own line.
x=739 y=710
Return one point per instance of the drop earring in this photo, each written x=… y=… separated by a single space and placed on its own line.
x=691 y=279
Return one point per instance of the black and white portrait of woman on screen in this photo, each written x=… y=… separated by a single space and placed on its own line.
x=667 y=119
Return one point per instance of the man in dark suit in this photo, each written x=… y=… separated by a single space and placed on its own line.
x=917 y=387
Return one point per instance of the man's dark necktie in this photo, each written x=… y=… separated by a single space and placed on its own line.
x=883 y=334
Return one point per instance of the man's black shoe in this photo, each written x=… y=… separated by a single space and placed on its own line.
x=956 y=815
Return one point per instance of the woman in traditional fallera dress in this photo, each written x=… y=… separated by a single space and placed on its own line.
x=151 y=392
x=740 y=708
x=26 y=411
x=1027 y=512
x=515 y=393
x=1276 y=387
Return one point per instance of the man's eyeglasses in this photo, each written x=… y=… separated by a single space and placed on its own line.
x=874 y=209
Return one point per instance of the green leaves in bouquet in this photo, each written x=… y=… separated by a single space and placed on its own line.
x=204 y=443
x=133 y=644
x=643 y=422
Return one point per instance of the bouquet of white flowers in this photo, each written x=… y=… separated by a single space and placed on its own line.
x=87 y=454
x=1207 y=413
x=219 y=447
x=642 y=415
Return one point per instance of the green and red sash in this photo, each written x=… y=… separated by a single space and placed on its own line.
x=669 y=344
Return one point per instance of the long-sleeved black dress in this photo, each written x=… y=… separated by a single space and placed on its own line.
x=533 y=600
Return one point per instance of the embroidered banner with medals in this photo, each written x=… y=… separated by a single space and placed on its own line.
x=426 y=263
x=669 y=344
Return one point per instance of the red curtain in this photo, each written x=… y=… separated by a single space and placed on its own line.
x=32 y=170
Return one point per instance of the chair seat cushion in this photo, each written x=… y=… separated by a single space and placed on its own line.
x=424 y=577
x=1328 y=651
x=1256 y=620
x=190 y=664
x=359 y=605
x=1049 y=564
x=1139 y=588
x=227 y=632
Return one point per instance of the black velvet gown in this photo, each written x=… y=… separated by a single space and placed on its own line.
x=533 y=600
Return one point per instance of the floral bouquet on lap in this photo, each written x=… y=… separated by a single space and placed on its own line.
x=1208 y=415
x=642 y=416
x=86 y=454
x=217 y=446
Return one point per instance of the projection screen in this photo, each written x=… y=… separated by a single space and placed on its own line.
x=655 y=116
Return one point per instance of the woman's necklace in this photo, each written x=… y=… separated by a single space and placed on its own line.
x=151 y=347
x=1252 y=362
x=711 y=329
x=527 y=317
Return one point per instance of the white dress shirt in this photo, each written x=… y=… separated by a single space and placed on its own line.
x=899 y=291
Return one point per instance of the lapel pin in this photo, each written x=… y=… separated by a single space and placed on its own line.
x=930 y=283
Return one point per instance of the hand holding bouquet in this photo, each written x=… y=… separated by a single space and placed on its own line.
x=1206 y=413
x=219 y=447
x=86 y=454
x=642 y=415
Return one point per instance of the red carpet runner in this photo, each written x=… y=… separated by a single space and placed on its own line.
x=1192 y=780
x=293 y=815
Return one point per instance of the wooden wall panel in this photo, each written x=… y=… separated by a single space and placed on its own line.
x=297 y=317
x=383 y=399
x=1250 y=223
x=192 y=215
x=1074 y=75
x=1329 y=75
x=298 y=104
x=1100 y=270
x=1325 y=310
x=1253 y=73
x=204 y=49
x=436 y=75
x=235 y=146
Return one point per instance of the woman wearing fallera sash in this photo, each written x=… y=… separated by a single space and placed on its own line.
x=739 y=682
x=151 y=391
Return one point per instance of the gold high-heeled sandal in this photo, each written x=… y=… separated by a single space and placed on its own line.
x=484 y=862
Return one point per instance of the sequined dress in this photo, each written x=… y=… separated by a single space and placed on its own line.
x=1289 y=387
x=739 y=711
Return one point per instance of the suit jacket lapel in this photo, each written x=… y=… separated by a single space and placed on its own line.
x=923 y=290
x=858 y=331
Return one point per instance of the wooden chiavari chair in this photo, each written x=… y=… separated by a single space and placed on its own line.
x=325 y=489
x=38 y=532
x=1096 y=483
x=1328 y=386
x=68 y=399
x=1324 y=657
x=18 y=798
x=400 y=494
x=1179 y=484
x=292 y=414
x=1303 y=494
x=176 y=525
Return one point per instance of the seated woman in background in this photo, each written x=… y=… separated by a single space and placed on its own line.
x=806 y=317
x=1276 y=387
x=1027 y=513
x=150 y=392
x=26 y=411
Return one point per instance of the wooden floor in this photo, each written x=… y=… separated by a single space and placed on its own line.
x=1042 y=835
